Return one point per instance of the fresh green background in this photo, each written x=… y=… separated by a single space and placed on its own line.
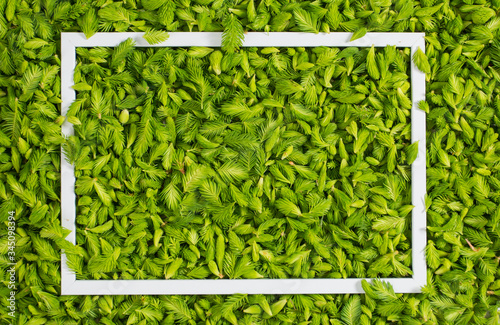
x=353 y=205
x=463 y=48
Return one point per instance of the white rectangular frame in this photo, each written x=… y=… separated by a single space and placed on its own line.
x=71 y=286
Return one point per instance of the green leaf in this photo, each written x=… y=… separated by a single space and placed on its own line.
x=379 y=290
x=173 y=267
x=31 y=79
x=278 y=306
x=82 y=86
x=171 y=195
x=38 y=214
x=199 y=51
x=153 y=36
x=102 y=228
x=351 y=98
x=44 y=249
x=388 y=223
x=358 y=34
x=232 y=36
x=153 y=4
x=301 y=112
x=102 y=193
x=177 y=307
x=232 y=172
x=89 y=23
x=351 y=312
x=306 y=21
x=482 y=15
x=107 y=263
x=219 y=251
x=35 y=43
x=320 y=208
x=306 y=172
x=411 y=152
x=121 y=52
x=287 y=87
x=49 y=301
x=421 y=61
x=288 y=208
x=391 y=159
x=428 y=11
x=371 y=64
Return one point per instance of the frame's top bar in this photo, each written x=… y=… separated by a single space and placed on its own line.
x=257 y=39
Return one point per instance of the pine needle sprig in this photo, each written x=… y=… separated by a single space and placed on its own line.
x=153 y=36
x=233 y=34
x=306 y=21
x=421 y=61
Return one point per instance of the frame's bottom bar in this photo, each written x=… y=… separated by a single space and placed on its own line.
x=226 y=287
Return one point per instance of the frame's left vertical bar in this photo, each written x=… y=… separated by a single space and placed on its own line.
x=68 y=198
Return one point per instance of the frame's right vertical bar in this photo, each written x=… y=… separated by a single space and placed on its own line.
x=418 y=171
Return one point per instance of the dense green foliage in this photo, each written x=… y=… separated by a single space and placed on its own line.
x=266 y=163
x=462 y=63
